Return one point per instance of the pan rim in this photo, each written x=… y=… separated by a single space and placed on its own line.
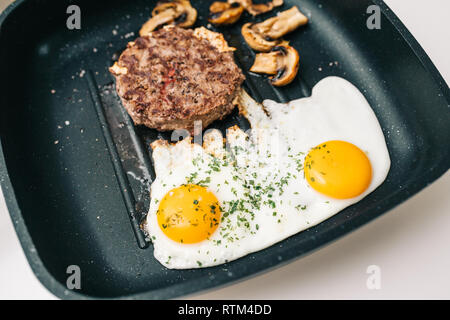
x=185 y=288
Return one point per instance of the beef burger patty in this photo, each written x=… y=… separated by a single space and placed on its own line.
x=173 y=77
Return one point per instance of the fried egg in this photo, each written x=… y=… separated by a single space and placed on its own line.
x=301 y=163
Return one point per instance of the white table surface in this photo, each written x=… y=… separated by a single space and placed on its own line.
x=410 y=244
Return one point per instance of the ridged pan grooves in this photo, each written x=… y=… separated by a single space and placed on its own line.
x=122 y=179
x=72 y=164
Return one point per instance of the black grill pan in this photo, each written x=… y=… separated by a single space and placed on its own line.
x=75 y=171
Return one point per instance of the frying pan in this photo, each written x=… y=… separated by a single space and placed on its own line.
x=76 y=172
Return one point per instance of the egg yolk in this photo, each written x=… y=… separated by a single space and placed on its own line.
x=338 y=169
x=189 y=214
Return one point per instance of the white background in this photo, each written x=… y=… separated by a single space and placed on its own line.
x=410 y=243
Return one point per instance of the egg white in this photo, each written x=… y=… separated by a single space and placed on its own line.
x=269 y=157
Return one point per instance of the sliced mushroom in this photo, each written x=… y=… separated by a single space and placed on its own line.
x=188 y=16
x=162 y=6
x=256 y=9
x=283 y=23
x=256 y=40
x=266 y=63
x=263 y=36
x=165 y=17
x=225 y=13
x=281 y=62
x=170 y=12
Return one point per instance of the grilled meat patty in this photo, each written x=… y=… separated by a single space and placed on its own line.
x=174 y=76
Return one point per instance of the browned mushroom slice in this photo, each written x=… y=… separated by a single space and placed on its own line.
x=263 y=36
x=259 y=8
x=225 y=13
x=256 y=40
x=283 y=23
x=266 y=63
x=188 y=16
x=281 y=62
x=172 y=12
x=244 y=3
x=165 y=17
x=163 y=6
